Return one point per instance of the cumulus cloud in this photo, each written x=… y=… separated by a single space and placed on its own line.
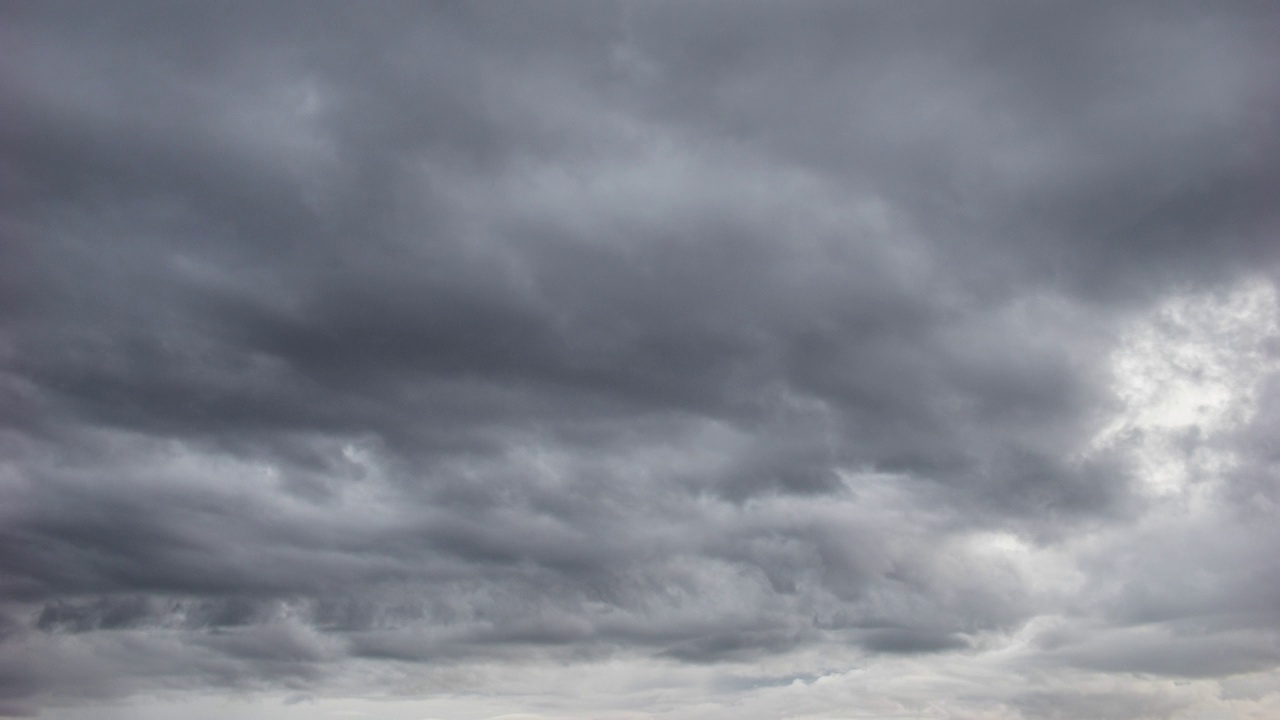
x=625 y=359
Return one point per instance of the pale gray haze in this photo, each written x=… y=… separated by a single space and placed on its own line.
x=689 y=360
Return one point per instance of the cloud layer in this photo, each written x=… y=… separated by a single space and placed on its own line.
x=573 y=359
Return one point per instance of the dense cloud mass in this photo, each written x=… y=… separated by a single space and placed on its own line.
x=626 y=360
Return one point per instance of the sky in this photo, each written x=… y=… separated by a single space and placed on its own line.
x=625 y=361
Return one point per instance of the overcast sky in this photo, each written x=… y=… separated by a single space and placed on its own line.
x=646 y=360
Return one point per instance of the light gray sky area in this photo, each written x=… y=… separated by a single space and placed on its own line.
x=625 y=361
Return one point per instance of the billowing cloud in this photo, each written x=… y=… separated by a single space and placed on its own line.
x=624 y=359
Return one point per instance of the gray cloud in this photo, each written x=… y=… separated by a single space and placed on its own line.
x=349 y=345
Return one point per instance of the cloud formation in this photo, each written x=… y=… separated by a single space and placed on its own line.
x=625 y=359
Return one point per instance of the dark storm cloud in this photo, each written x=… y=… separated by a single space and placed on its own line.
x=705 y=333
